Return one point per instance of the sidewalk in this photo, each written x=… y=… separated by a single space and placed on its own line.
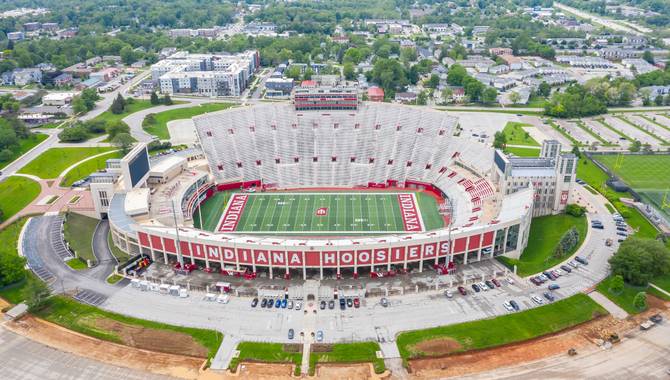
x=610 y=306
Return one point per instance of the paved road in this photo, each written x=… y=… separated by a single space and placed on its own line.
x=598 y=19
x=645 y=356
x=21 y=358
x=106 y=261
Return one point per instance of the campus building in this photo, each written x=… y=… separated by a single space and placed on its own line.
x=552 y=176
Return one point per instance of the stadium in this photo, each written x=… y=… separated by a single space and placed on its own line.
x=318 y=191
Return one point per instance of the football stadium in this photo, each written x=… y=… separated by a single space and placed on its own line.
x=311 y=190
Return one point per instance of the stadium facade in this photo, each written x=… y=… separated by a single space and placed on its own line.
x=274 y=147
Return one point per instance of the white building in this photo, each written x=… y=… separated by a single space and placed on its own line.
x=205 y=74
x=552 y=176
x=57 y=98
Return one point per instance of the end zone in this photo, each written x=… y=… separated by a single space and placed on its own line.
x=233 y=212
x=411 y=215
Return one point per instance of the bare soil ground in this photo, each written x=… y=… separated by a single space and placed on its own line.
x=345 y=371
x=580 y=337
x=438 y=347
x=115 y=354
x=170 y=342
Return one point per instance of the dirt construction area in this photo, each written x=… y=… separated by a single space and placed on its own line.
x=583 y=337
x=170 y=342
x=65 y=340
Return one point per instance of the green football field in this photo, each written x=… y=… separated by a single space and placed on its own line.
x=318 y=213
x=644 y=172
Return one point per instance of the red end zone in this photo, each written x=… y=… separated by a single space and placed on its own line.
x=411 y=217
x=233 y=212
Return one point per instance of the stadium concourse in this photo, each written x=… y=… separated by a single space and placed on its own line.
x=273 y=148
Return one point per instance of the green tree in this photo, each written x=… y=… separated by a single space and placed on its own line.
x=640 y=301
x=647 y=56
x=433 y=81
x=658 y=100
x=616 y=284
x=11 y=269
x=118 y=105
x=639 y=260
x=422 y=98
x=79 y=105
x=115 y=128
x=349 y=71
x=123 y=141
x=544 y=89
x=167 y=100
x=489 y=95
x=293 y=72
x=514 y=97
x=35 y=293
x=456 y=75
x=154 y=98
x=76 y=133
x=635 y=146
x=499 y=140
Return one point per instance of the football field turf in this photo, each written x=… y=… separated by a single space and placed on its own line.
x=643 y=172
x=321 y=213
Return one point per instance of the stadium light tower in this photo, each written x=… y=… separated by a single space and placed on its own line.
x=180 y=258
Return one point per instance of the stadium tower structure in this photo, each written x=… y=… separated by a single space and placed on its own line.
x=274 y=147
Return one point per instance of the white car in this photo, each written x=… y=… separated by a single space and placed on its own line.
x=559 y=272
x=448 y=294
x=223 y=298
x=510 y=281
x=537 y=300
x=573 y=264
x=298 y=305
x=289 y=304
x=483 y=286
x=508 y=306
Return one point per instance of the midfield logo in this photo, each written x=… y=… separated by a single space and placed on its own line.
x=323 y=211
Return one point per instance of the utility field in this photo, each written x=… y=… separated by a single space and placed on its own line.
x=321 y=213
x=644 y=172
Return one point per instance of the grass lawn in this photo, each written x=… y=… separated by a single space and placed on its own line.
x=81 y=318
x=523 y=152
x=51 y=163
x=113 y=279
x=505 y=329
x=9 y=237
x=362 y=352
x=159 y=128
x=24 y=145
x=82 y=170
x=116 y=252
x=16 y=193
x=591 y=173
x=79 y=231
x=545 y=234
x=625 y=299
x=266 y=352
x=76 y=264
x=516 y=135
x=137 y=105
x=640 y=172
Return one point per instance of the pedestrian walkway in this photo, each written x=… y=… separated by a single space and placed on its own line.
x=225 y=353
x=659 y=289
x=610 y=306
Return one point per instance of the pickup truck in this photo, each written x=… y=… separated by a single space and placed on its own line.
x=646 y=325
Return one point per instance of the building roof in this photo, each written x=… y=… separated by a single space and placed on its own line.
x=375 y=91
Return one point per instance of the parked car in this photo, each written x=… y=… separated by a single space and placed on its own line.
x=322 y=305
x=495 y=282
x=581 y=260
x=509 y=280
x=573 y=264
x=350 y=302
x=343 y=304
x=536 y=280
x=557 y=273
x=298 y=305
x=483 y=286
x=543 y=278
x=548 y=296
x=656 y=318
x=566 y=269
x=514 y=305
x=384 y=302
x=319 y=336
x=278 y=303
x=289 y=305
x=553 y=287
x=508 y=306
x=357 y=303
x=489 y=284
x=537 y=300
x=284 y=303
x=254 y=302
x=462 y=290
x=331 y=304
x=448 y=294
x=264 y=302
x=598 y=226
x=290 y=333
x=475 y=287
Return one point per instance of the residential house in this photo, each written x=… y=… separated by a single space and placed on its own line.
x=376 y=94
x=64 y=79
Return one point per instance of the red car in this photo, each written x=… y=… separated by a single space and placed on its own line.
x=495 y=282
x=357 y=303
x=462 y=290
